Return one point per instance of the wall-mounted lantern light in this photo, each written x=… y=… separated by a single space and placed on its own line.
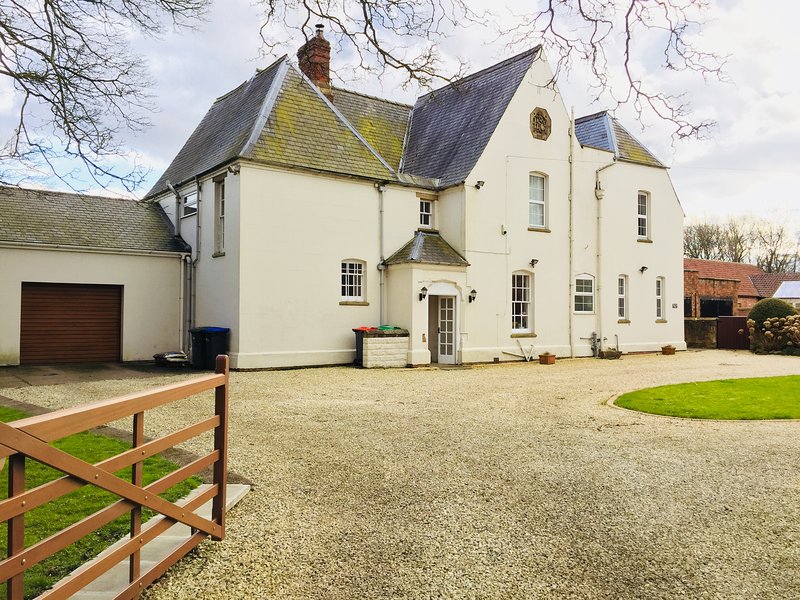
x=423 y=293
x=642 y=269
x=534 y=262
x=480 y=184
x=472 y=295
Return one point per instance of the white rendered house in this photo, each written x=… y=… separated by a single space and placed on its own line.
x=480 y=219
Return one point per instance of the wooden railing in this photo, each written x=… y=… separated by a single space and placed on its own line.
x=29 y=438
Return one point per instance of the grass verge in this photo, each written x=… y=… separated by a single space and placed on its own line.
x=50 y=518
x=727 y=399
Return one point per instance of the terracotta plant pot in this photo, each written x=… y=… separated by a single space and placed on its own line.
x=547 y=359
x=668 y=350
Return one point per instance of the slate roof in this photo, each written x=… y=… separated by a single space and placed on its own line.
x=602 y=131
x=56 y=218
x=767 y=284
x=719 y=269
x=382 y=123
x=427 y=247
x=788 y=289
x=451 y=126
x=279 y=117
x=221 y=135
x=303 y=131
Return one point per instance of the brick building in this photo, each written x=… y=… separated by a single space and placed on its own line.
x=715 y=288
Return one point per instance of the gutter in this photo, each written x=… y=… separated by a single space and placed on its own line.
x=91 y=250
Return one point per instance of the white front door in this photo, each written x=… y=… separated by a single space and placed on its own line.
x=447 y=330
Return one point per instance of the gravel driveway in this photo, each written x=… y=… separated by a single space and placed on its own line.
x=497 y=481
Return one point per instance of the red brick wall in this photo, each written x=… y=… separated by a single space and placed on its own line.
x=698 y=287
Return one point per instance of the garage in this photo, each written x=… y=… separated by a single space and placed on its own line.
x=70 y=323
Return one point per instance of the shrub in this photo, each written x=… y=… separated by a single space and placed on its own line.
x=768 y=308
x=775 y=334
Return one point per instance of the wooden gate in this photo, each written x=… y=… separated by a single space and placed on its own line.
x=29 y=438
x=732 y=333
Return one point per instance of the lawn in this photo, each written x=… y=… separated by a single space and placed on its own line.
x=734 y=399
x=54 y=516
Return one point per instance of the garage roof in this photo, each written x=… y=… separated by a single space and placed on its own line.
x=47 y=218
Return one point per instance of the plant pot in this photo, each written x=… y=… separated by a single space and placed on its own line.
x=668 y=350
x=610 y=354
x=547 y=359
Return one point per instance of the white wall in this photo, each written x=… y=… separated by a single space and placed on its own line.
x=151 y=297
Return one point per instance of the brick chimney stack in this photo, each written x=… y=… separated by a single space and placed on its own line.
x=315 y=62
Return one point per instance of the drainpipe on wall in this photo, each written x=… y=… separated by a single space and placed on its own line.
x=599 y=193
x=381 y=187
x=177 y=208
x=571 y=277
x=196 y=259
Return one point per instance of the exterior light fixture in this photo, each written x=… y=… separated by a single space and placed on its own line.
x=423 y=293
x=480 y=184
x=472 y=295
x=534 y=262
x=642 y=269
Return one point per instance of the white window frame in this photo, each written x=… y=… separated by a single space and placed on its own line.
x=521 y=302
x=189 y=205
x=622 y=297
x=659 y=298
x=352 y=286
x=643 y=218
x=537 y=201
x=426 y=213
x=219 y=216
x=583 y=294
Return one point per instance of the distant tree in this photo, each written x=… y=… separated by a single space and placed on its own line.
x=703 y=240
x=764 y=243
x=775 y=251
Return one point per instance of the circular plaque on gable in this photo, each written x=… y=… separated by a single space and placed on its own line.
x=540 y=124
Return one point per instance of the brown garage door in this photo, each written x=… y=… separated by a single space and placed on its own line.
x=70 y=323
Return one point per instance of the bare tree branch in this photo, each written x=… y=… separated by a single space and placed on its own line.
x=78 y=83
x=610 y=37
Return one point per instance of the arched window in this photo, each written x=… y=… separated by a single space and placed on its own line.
x=521 y=302
x=643 y=215
x=537 y=201
x=353 y=280
x=584 y=293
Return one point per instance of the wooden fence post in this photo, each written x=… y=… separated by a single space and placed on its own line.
x=136 y=512
x=221 y=444
x=15 y=587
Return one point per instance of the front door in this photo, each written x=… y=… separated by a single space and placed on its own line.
x=447 y=330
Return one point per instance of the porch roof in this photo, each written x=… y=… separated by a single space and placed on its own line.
x=427 y=247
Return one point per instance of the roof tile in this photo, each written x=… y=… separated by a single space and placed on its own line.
x=56 y=218
x=719 y=269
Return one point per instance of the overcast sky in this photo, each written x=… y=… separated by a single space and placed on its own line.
x=750 y=166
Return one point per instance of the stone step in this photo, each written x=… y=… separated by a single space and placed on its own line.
x=116 y=578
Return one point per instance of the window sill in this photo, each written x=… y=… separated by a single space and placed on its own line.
x=217 y=254
x=187 y=216
x=539 y=229
x=624 y=321
x=645 y=241
x=523 y=335
x=583 y=312
x=661 y=320
x=353 y=303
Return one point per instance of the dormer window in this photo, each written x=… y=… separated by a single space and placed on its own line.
x=427 y=204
